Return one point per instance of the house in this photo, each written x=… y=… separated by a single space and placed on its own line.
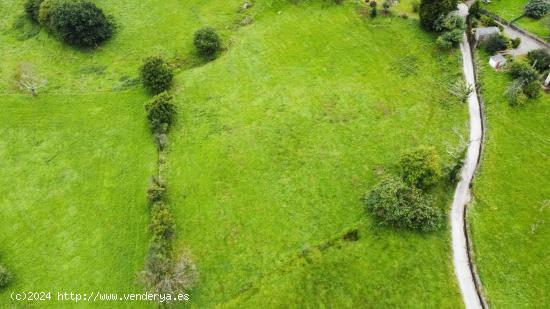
x=497 y=61
x=483 y=34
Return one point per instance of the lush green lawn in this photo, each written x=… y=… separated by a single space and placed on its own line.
x=74 y=170
x=279 y=139
x=276 y=143
x=512 y=9
x=511 y=213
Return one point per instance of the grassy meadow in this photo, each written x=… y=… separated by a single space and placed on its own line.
x=512 y=9
x=276 y=143
x=511 y=212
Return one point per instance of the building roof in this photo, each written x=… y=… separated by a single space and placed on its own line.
x=497 y=58
x=487 y=31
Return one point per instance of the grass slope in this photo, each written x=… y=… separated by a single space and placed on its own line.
x=512 y=9
x=512 y=194
x=279 y=139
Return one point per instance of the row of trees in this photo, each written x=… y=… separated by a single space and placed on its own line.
x=78 y=23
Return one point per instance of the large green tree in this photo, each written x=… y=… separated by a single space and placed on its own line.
x=431 y=10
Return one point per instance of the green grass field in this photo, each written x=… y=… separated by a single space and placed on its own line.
x=512 y=195
x=512 y=9
x=276 y=144
x=279 y=140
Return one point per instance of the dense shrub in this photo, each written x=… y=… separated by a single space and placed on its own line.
x=540 y=58
x=488 y=21
x=162 y=225
x=450 y=39
x=5 y=277
x=156 y=192
x=537 y=8
x=431 y=10
x=516 y=42
x=161 y=113
x=80 y=23
x=395 y=203
x=156 y=76
x=475 y=9
x=450 y=22
x=207 y=42
x=32 y=8
x=523 y=71
x=495 y=43
x=420 y=166
x=46 y=8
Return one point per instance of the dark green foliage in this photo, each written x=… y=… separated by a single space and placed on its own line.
x=5 y=277
x=80 y=23
x=420 y=166
x=453 y=169
x=431 y=10
x=161 y=113
x=523 y=71
x=450 y=22
x=450 y=39
x=540 y=58
x=495 y=43
x=516 y=42
x=162 y=225
x=395 y=203
x=373 y=12
x=156 y=76
x=475 y=9
x=32 y=8
x=537 y=8
x=489 y=21
x=207 y=42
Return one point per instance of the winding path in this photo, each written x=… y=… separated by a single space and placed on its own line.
x=461 y=259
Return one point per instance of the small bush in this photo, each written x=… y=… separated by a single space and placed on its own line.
x=516 y=42
x=32 y=8
x=495 y=43
x=420 y=166
x=80 y=23
x=395 y=203
x=162 y=225
x=488 y=21
x=5 y=277
x=373 y=12
x=537 y=8
x=161 y=113
x=156 y=76
x=540 y=58
x=46 y=8
x=207 y=42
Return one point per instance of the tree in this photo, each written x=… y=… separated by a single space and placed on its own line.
x=32 y=8
x=395 y=203
x=207 y=42
x=80 y=23
x=420 y=166
x=156 y=76
x=540 y=59
x=537 y=8
x=495 y=43
x=475 y=9
x=161 y=113
x=431 y=10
